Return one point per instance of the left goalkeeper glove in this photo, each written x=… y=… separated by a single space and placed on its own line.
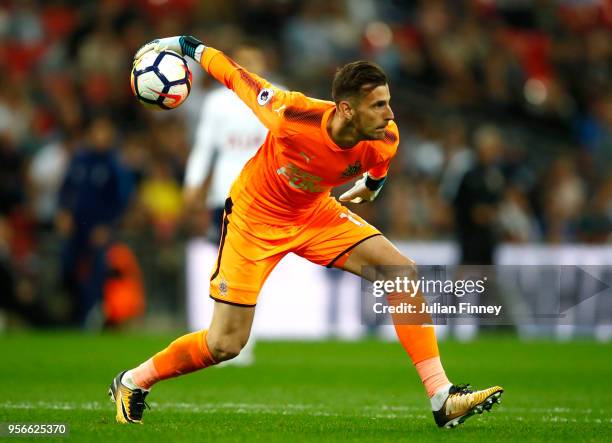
x=183 y=45
x=365 y=189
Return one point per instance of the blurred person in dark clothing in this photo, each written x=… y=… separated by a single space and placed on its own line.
x=478 y=197
x=92 y=199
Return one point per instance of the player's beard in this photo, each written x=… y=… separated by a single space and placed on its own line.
x=372 y=134
x=366 y=131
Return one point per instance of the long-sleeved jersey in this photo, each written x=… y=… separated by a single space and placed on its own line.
x=228 y=135
x=298 y=164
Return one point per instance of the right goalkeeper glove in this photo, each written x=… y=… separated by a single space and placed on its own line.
x=183 y=45
x=365 y=189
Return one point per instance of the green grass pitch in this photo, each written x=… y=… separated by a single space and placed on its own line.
x=317 y=391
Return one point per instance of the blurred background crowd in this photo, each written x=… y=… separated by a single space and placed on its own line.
x=504 y=109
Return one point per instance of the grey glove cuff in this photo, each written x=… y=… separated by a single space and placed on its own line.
x=189 y=45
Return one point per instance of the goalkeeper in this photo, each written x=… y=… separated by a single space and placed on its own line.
x=281 y=203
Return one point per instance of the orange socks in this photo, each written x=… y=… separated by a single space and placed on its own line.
x=184 y=355
x=432 y=375
x=190 y=352
x=417 y=336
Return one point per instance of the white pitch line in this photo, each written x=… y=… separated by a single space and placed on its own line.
x=555 y=410
x=317 y=410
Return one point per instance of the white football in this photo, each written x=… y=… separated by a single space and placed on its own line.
x=161 y=80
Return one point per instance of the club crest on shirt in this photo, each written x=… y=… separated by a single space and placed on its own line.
x=352 y=170
x=264 y=96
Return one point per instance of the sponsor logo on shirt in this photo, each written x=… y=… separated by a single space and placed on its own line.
x=300 y=179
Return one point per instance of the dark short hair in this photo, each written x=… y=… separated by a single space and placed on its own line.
x=357 y=78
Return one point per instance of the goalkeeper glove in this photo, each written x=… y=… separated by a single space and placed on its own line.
x=365 y=189
x=183 y=45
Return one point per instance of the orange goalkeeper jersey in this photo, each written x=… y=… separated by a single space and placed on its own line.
x=298 y=164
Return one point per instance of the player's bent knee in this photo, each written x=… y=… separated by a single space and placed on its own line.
x=225 y=348
x=404 y=267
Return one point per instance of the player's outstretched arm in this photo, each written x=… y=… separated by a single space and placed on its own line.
x=264 y=99
x=365 y=189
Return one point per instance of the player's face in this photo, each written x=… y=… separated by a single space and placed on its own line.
x=373 y=113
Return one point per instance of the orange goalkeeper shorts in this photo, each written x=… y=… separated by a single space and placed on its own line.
x=249 y=250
